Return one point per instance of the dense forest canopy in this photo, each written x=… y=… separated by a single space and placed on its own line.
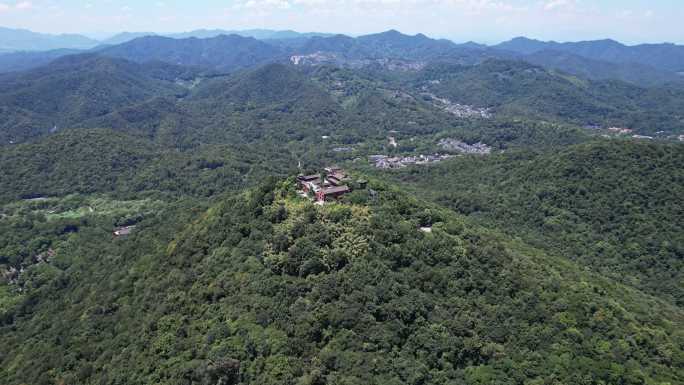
x=508 y=222
x=614 y=206
x=265 y=287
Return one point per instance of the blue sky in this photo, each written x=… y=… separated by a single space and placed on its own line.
x=630 y=21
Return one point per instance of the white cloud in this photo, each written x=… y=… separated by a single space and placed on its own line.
x=625 y=14
x=24 y=5
x=20 y=6
x=552 y=5
x=313 y=2
x=264 y=5
x=471 y=6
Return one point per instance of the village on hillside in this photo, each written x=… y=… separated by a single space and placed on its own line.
x=457 y=109
x=455 y=147
x=388 y=162
x=612 y=132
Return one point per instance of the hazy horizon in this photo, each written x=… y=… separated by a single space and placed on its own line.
x=483 y=21
x=101 y=36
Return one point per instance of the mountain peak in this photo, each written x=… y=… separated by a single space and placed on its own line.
x=392 y=32
x=608 y=42
x=124 y=37
x=472 y=44
x=520 y=39
x=387 y=35
x=222 y=52
x=523 y=45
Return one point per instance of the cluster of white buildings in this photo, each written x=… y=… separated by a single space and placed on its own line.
x=456 y=145
x=386 y=162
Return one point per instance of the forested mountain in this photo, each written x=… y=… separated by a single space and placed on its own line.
x=613 y=206
x=520 y=88
x=24 y=40
x=158 y=98
x=267 y=288
x=125 y=37
x=394 y=45
x=75 y=88
x=107 y=161
x=527 y=46
x=224 y=52
x=667 y=57
x=638 y=74
x=282 y=44
x=73 y=162
x=260 y=34
x=21 y=40
x=273 y=83
x=519 y=228
x=213 y=49
x=25 y=60
x=273 y=112
x=148 y=98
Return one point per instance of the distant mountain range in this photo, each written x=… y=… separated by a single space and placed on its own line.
x=635 y=73
x=225 y=50
x=120 y=86
x=260 y=34
x=230 y=52
x=13 y=40
x=24 y=40
x=667 y=57
x=390 y=44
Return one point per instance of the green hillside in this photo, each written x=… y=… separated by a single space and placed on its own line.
x=630 y=72
x=611 y=205
x=106 y=161
x=182 y=108
x=267 y=288
x=666 y=56
x=151 y=231
x=521 y=89
x=74 y=89
x=221 y=52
